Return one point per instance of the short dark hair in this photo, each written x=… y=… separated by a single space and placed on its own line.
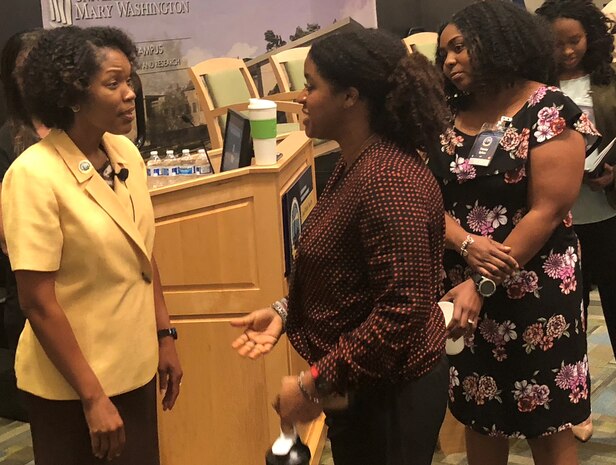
x=403 y=93
x=599 y=29
x=505 y=44
x=59 y=69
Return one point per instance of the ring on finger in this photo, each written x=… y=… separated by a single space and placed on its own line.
x=471 y=322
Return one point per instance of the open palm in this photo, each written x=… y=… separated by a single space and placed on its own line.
x=262 y=329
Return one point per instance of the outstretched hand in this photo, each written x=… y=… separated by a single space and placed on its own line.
x=491 y=259
x=262 y=329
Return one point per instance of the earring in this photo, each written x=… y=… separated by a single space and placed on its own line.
x=461 y=94
x=458 y=96
x=76 y=108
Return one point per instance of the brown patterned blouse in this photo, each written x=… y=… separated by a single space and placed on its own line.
x=367 y=277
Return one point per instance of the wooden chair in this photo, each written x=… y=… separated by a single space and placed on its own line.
x=288 y=67
x=423 y=42
x=225 y=83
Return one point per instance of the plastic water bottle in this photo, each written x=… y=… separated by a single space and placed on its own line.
x=153 y=164
x=202 y=163
x=154 y=170
x=187 y=166
x=170 y=164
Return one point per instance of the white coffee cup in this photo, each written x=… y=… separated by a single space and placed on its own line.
x=451 y=347
x=262 y=115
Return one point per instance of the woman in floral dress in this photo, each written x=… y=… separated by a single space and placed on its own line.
x=524 y=371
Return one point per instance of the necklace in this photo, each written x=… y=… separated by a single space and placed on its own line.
x=371 y=139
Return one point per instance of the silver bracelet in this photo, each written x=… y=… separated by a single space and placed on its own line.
x=280 y=307
x=464 y=247
x=307 y=395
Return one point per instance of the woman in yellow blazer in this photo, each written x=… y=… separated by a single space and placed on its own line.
x=80 y=231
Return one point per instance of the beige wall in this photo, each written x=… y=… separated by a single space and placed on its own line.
x=193 y=102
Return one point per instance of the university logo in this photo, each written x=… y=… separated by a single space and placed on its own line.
x=60 y=13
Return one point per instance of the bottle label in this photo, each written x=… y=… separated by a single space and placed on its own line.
x=154 y=171
x=186 y=170
x=203 y=169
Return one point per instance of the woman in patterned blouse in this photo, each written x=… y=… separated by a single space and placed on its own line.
x=362 y=306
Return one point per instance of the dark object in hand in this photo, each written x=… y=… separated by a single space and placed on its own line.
x=298 y=455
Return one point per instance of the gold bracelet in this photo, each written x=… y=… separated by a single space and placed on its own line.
x=464 y=247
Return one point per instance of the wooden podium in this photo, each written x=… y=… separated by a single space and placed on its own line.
x=220 y=250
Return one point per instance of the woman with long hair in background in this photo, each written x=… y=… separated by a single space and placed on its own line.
x=584 y=51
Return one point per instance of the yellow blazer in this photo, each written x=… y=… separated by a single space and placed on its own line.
x=60 y=215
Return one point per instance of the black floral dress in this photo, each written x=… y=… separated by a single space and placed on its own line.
x=524 y=372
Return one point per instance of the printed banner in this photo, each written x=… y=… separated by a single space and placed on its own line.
x=173 y=35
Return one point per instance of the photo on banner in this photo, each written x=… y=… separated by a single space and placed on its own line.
x=297 y=203
x=171 y=36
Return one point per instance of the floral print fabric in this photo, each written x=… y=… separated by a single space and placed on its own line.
x=524 y=371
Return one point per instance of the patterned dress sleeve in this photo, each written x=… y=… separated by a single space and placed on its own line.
x=550 y=112
x=442 y=162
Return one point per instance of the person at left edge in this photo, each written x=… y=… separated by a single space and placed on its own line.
x=18 y=133
x=80 y=242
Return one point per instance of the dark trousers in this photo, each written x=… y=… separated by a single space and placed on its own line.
x=14 y=319
x=12 y=405
x=391 y=425
x=60 y=432
x=598 y=243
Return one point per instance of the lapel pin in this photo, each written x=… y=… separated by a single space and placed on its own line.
x=84 y=166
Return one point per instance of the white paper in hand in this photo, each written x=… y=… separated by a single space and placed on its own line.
x=451 y=347
x=596 y=159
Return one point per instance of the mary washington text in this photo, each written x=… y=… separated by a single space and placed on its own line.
x=104 y=10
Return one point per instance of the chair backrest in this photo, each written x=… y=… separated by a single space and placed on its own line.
x=288 y=67
x=423 y=42
x=221 y=83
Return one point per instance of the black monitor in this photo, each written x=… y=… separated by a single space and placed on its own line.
x=237 y=147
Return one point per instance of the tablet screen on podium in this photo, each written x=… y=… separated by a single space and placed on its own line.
x=237 y=146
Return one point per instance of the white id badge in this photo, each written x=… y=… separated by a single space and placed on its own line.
x=487 y=141
x=485 y=145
